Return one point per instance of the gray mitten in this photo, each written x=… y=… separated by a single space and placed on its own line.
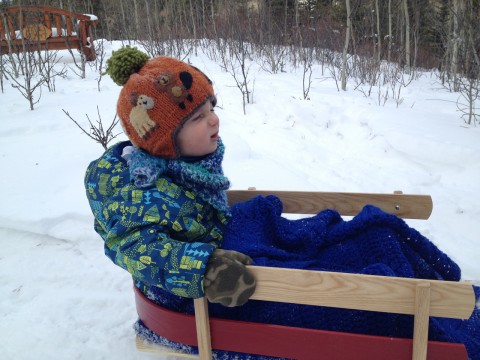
x=227 y=280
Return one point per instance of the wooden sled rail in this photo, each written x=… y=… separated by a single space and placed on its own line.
x=349 y=204
x=421 y=298
x=362 y=292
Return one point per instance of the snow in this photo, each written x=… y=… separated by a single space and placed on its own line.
x=92 y=17
x=62 y=298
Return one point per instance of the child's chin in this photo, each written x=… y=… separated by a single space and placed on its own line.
x=214 y=147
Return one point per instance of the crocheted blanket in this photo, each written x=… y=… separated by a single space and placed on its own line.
x=373 y=242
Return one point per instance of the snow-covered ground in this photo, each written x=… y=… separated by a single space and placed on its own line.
x=61 y=298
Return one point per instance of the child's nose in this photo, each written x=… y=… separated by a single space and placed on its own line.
x=214 y=120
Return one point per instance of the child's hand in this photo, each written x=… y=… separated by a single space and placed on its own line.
x=227 y=280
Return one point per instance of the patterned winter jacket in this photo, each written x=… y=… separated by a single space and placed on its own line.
x=163 y=235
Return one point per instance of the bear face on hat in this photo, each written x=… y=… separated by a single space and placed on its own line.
x=156 y=101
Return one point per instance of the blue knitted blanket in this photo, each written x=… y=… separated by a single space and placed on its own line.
x=373 y=242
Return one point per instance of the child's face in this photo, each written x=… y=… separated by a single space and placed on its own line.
x=199 y=134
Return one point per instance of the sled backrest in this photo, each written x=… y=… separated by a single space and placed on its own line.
x=349 y=204
x=418 y=297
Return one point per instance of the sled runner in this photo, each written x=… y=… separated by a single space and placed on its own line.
x=418 y=297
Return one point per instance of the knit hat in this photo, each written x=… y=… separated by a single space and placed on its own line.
x=157 y=97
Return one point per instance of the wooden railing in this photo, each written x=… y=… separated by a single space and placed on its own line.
x=31 y=28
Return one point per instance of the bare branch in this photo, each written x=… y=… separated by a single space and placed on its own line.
x=97 y=131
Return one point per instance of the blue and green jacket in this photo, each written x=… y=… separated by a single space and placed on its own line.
x=163 y=235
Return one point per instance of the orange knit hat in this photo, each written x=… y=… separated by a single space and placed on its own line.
x=156 y=101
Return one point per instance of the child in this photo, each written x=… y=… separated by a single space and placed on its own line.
x=160 y=205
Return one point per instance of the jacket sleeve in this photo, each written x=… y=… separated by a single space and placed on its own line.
x=153 y=257
x=151 y=233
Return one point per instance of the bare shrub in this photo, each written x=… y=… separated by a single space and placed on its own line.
x=307 y=61
x=29 y=80
x=468 y=101
x=235 y=59
x=272 y=58
x=48 y=68
x=97 y=132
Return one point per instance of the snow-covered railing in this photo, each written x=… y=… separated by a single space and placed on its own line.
x=26 y=28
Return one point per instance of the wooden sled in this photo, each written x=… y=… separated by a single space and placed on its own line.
x=418 y=297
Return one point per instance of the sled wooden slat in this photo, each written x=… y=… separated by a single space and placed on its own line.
x=420 y=327
x=202 y=324
x=361 y=292
x=349 y=204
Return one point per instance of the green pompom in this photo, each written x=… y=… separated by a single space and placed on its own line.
x=124 y=62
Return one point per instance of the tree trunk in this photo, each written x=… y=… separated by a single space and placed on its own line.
x=204 y=28
x=345 y=48
x=150 y=33
x=193 y=20
x=416 y=36
x=471 y=29
x=136 y=15
x=213 y=20
x=297 y=25
x=389 y=30
x=455 y=45
x=471 y=101
x=107 y=25
x=379 y=37
x=123 y=31
x=407 y=34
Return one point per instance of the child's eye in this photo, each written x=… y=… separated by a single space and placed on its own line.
x=194 y=118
